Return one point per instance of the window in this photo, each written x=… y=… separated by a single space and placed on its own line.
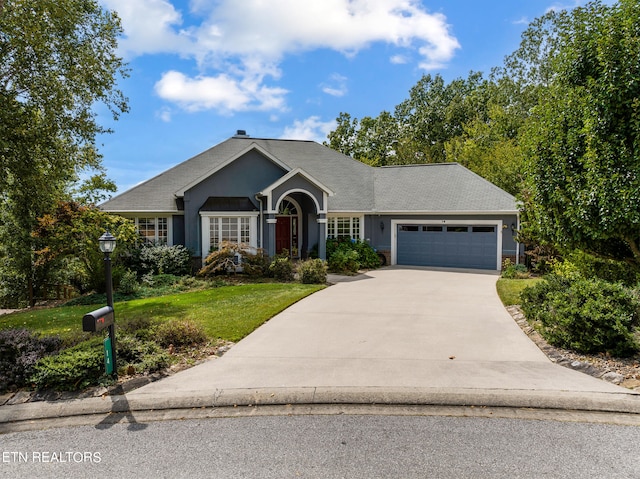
x=483 y=229
x=154 y=230
x=457 y=229
x=343 y=227
x=340 y=226
x=409 y=228
x=432 y=229
x=232 y=229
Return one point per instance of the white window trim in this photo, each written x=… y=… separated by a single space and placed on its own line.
x=452 y=221
x=205 y=221
x=334 y=220
x=155 y=218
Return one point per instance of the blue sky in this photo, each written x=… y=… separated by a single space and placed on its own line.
x=202 y=69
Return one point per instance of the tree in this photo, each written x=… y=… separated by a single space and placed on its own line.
x=583 y=145
x=57 y=60
x=490 y=144
x=474 y=121
x=434 y=113
x=67 y=241
x=419 y=128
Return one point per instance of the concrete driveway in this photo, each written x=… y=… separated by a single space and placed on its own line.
x=392 y=335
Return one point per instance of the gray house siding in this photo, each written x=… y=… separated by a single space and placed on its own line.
x=245 y=177
x=178 y=229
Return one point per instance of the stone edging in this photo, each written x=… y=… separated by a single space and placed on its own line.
x=565 y=358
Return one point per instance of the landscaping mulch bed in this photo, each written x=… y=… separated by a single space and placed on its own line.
x=621 y=371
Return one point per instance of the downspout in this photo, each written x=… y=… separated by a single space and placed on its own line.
x=261 y=237
x=517 y=242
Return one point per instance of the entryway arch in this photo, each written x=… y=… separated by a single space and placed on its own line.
x=288 y=227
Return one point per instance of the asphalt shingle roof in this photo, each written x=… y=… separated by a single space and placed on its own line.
x=440 y=187
x=446 y=187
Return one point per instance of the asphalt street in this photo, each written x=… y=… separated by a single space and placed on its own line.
x=337 y=446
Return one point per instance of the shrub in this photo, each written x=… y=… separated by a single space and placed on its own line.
x=367 y=256
x=140 y=355
x=221 y=261
x=281 y=268
x=589 y=266
x=160 y=259
x=20 y=350
x=180 y=333
x=344 y=261
x=138 y=326
x=514 y=271
x=72 y=369
x=161 y=280
x=341 y=257
x=313 y=271
x=128 y=282
x=255 y=264
x=586 y=315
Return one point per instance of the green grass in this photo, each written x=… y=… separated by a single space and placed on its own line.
x=509 y=289
x=228 y=312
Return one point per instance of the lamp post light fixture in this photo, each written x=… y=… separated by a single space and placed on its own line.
x=107 y=244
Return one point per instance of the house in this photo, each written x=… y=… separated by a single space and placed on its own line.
x=293 y=195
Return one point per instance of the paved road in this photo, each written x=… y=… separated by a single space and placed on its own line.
x=327 y=447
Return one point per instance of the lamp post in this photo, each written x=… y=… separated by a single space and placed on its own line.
x=107 y=244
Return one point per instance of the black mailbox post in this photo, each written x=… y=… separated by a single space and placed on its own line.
x=104 y=318
x=98 y=320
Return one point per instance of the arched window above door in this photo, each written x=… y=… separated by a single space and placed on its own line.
x=287 y=208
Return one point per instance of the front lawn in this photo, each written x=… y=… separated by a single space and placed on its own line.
x=229 y=312
x=509 y=289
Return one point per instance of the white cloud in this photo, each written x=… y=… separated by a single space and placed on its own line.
x=309 y=129
x=335 y=86
x=150 y=26
x=164 y=114
x=247 y=40
x=399 y=59
x=221 y=92
x=521 y=21
x=272 y=29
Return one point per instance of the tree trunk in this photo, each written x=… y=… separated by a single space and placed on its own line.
x=633 y=245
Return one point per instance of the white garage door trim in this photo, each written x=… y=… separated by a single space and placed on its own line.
x=394 y=233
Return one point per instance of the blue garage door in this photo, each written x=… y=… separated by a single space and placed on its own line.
x=449 y=246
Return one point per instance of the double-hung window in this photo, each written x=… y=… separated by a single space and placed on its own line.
x=234 y=229
x=344 y=226
x=154 y=229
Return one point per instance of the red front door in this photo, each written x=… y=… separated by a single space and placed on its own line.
x=283 y=234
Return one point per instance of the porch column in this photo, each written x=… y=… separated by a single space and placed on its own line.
x=322 y=232
x=271 y=235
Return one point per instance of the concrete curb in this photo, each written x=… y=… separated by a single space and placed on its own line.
x=550 y=400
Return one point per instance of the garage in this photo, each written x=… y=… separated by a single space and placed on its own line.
x=448 y=245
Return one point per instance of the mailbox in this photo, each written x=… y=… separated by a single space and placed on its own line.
x=98 y=320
